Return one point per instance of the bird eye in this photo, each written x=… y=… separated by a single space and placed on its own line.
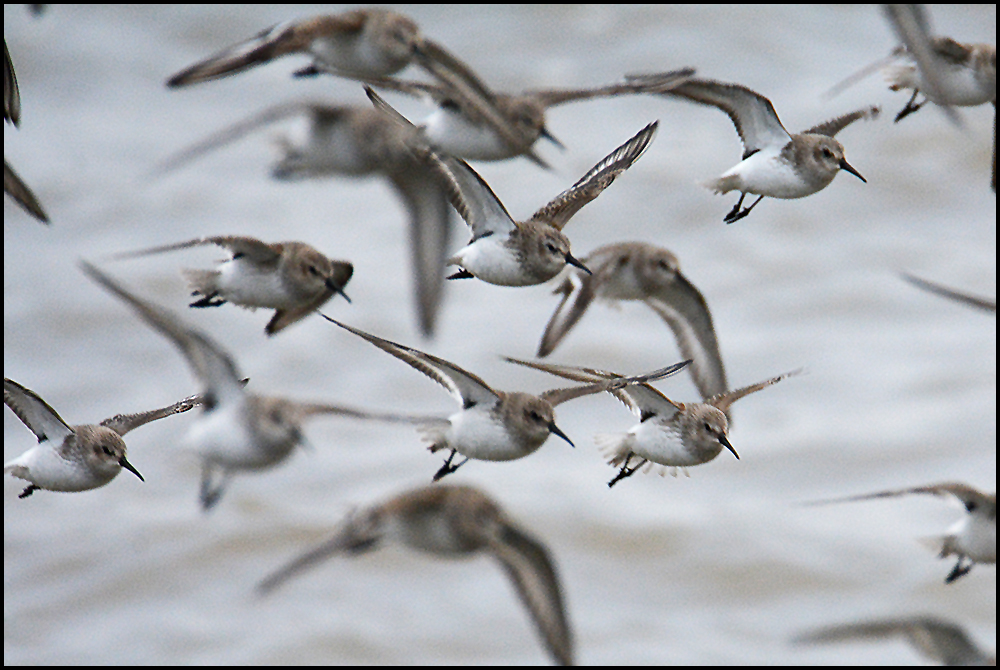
x=106 y=450
x=708 y=427
x=827 y=153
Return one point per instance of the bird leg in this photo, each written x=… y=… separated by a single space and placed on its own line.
x=31 y=488
x=626 y=471
x=958 y=571
x=909 y=108
x=211 y=300
x=211 y=494
x=448 y=468
x=308 y=71
x=736 y=213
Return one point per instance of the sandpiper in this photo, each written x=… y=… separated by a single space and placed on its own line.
x=359 y=142
x=510 y=253
x=650 y=274
x=238 y=431
x=292 y=278
x=13 y=185
x=669 y=433
x=358 y=44
x=453 y=522
x=74 y=458
x=775 y=163
x=973 y=538
x=978 y=302
x=493 y=425
x=936 y=639
x=474 y=123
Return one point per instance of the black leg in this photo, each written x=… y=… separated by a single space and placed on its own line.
x=448 y=468
x=626 y=471
x=738 y=214
x=462 y=274
x=212 y=300
x=309 y=71
x=735 y=210
x=28 y=491
x=958 y=571
x=909 y=108
x=211 y=494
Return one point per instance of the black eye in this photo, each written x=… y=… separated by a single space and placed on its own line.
x=106 y=450
x=552 y=248
x=708 y=427
x=313 y=271
x=827 y=153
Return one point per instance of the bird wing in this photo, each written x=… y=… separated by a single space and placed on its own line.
x=35 y=413
x=528 y=564
x=753 y=115
x=465 y=387
x=562 y=208
x=123 y=423
x=834 y=126
x=213 y=366
x=472 y=197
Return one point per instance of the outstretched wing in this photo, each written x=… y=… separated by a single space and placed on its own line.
x=562 y=208
x=35 y=413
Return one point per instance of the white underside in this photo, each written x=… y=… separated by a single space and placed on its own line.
x=452 y=133
x=241 y=282
x=474 y=433
x=43 y=466
x=656 y=443
x=492 y=261
x=764 y=173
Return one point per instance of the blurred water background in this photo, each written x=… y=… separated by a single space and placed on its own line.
x=721 y=567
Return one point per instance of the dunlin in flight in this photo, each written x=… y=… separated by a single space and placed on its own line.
x=775 y=163
x=935 y=639
x=238 y=431
x=357 y=44
x=493 y=425
x=474 y=123
x=669 y=433
x=360 y=142
x=454 y=522
x=511 y=253
x=74 y=458
x=649 y=274
x=292 y=278
x=972 y=539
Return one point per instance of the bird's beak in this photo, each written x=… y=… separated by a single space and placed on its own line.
x=725 y=442
x=554 y=429
x=128 y=466
x=844 y=165
x=336 y=289
x=551 y=138
x=572 y=261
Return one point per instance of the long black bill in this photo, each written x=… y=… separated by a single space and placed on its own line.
x=725 y=442
x=575 y=263
x=844 y=165
x=337 y=289
x=554 y=429
x=551 y=138
x=128 y=466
